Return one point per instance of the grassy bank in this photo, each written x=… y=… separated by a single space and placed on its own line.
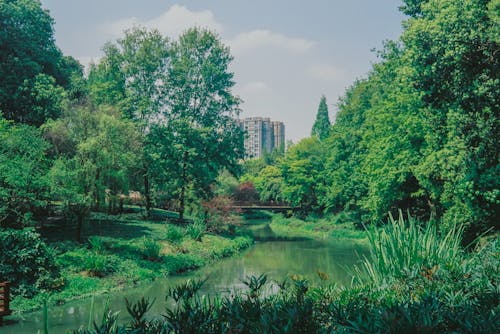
x=316 y=228
x=416 y=280
x=126 y=250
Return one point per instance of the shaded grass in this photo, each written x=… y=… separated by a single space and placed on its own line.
x=124 y=251
x=322 y=228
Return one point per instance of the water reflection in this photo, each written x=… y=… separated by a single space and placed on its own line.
x=277 y=259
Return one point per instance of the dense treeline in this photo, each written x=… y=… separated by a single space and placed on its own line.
x=420 y=133
x=151 y=125
x=154 y=116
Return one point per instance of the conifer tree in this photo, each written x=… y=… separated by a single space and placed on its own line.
x=321 y=127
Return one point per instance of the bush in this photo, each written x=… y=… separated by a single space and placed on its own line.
x=27 y=262
x=196 y=230
x=151 y=249
x=174 y=234
x=98 y=265
x=97 y=244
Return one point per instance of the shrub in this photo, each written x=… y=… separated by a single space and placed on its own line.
x=98 y=265
x=151 y=249
x=220 y=215
x=97 y=244
x=174 y=234
x=196 y=230
x=27 y=262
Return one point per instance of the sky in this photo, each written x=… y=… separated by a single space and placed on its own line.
x=287 y=53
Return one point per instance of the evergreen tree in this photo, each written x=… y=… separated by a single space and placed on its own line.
x=321 y=127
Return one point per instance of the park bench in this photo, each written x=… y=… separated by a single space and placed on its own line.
x=4 y=301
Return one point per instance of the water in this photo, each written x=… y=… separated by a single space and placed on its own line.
x=277 y=259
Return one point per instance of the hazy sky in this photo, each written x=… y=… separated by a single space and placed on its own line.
x=287 y=53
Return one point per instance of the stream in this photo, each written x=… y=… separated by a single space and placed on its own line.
x=276 y=259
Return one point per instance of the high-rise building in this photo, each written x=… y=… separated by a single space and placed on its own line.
x=278 y=134
x=262 y=135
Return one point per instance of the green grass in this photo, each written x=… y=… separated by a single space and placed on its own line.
x=126 y=250
x=322 y=228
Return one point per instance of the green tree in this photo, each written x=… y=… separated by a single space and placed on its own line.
x=96 y=168
x=453 y=51
x=32 y=68
x=321 y=127
x=133 y=76
x=23 y=169
x=303 y=170
x=201 y=134
x=269 y=184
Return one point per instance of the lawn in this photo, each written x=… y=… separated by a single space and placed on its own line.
x=125 y=250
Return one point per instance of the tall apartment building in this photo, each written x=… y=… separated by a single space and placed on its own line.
x=261 y=135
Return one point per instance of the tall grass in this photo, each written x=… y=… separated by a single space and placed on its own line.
x=403 y=247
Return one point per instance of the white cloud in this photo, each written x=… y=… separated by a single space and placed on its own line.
x=265 y=38
x=324 y=72
x=170 y=23
x=254 y=87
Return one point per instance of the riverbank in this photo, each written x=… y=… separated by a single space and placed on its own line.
x=320 y=228
x=415 y=280
x=124 y=251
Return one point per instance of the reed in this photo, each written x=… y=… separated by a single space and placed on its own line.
x=404 y=246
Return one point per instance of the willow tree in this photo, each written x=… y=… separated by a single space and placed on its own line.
x=133 y=76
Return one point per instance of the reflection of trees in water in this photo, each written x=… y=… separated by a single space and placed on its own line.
x=277 y=259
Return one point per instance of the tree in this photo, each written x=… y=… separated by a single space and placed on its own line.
x=32 y=68
x=203 y=137
x=95 y=169
x=133 y=76
x=303 y=170
x=23 y=169
x=269 y=184
x=321 y=127
x=453 y=52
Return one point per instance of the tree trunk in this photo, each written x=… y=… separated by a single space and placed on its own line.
x=183 y=186
x=79 y=227
x=147 y=193
x=97 y=195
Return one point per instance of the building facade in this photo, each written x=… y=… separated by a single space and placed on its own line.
x=262 y=135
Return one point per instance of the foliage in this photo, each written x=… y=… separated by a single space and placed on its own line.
x=98 y=265
x=447 y=300
x=302 y=171
x=220 y=216
x=269 y=184
x=420 y=132
x=199 y=137
x=196 y=230
x=27 y=262
x=33 y=69
x=133 y=77
x=338 y=227
x=404 y=247
x=321 y=127
x=226 y=185
x=174 y=234
x=246 y=192
x=94 y=164
x=151 y=249
x=23 y=168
